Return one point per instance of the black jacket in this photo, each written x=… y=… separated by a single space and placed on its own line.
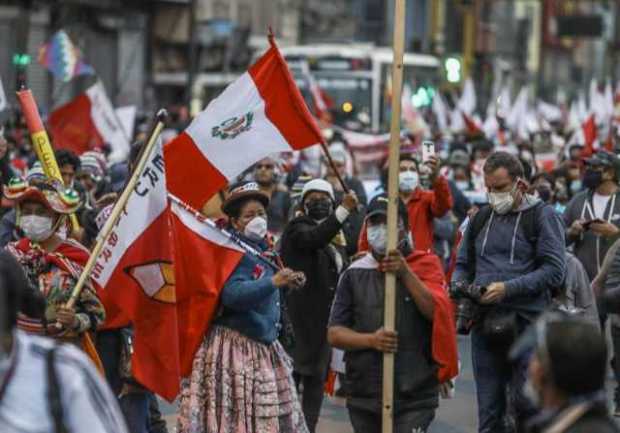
x=305 y=246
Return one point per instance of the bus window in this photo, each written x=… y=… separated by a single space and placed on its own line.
x=351 y=97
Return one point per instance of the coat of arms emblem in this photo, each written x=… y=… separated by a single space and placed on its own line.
x=231 y=128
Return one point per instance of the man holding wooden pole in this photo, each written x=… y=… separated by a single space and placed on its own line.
x=390 y=383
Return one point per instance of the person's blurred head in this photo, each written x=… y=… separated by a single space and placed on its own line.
x=69 y=164
x=16 y=293
x=246 y=208
x=317 y=199
x=339 y=158
x=574 y=152
x=503 y=178
x=543 y=186
x=601 y=169
x=90 y=172
x=569 y=362
x=265 y=172
x=409 y=176
x=376 y=226
x=481 y=150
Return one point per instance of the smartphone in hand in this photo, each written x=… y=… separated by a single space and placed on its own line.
x=428 y=150
x=586 y=225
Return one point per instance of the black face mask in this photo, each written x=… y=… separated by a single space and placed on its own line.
x=318 y=209
x=544 y=194
x=592 y=179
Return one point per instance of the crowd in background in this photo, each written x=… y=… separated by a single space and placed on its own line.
x=338 y=206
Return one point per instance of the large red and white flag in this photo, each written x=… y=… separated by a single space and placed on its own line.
x=135 y=272
x=260 y=113
x=200 y=276
x=89 y=122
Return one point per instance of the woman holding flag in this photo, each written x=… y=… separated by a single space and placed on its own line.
x=52 y=263
x=241 y=379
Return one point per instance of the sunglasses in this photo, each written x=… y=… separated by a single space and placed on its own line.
x=264 y=166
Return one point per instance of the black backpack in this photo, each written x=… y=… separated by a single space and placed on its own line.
x=531 y=229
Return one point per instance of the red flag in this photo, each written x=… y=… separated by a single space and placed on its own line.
x=200 y=277
x=261 y=113
x=472 y=128
x=88 y=122
x=135 y=271
x=589 y=136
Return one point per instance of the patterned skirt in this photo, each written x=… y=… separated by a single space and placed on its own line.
x=239 y=385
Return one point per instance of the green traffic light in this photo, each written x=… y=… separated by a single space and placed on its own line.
x=21 y=59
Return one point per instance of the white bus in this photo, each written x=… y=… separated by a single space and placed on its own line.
x=357 y=79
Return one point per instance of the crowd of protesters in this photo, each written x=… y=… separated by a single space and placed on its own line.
x=512 y=236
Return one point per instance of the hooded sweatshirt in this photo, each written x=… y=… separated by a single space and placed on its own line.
x=504 y=254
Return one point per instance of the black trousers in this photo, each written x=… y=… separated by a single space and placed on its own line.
x=411 y=421
x=311 y=391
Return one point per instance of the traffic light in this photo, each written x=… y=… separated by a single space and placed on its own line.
x=21 y=60
x=453 y=69
x=423 y=96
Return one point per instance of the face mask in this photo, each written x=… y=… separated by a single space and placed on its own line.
x=36 y=228
x=377 y=238
x=463 y=185
x=502 y=202
x=576 y=186
x=592 y=179
x=408 y=181
x=256 y=229
x=560 y=208
x=318 y=209
x=544 y=194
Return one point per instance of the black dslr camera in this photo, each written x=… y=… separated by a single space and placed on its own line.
x=468 y=310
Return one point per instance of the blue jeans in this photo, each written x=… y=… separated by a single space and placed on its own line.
x=499 y=387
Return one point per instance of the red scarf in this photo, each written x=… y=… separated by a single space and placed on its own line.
x=444 y=349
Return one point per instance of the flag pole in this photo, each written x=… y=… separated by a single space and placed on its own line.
x=118 y=208
x=330 y=161
x=392 y=216
x=41 y=142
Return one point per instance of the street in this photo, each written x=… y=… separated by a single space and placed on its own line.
x=456 y=415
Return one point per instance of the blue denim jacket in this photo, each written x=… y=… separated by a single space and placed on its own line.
x=251 y=303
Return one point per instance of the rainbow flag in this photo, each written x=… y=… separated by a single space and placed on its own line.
x=62 y=58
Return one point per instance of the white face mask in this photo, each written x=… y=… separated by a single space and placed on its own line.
x=377 y=238
x=502 y=202
x=36 y=228
x=408 y=181
x=256 y=229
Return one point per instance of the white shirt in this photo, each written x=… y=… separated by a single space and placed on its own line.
x=88 y=404
x=599 y=203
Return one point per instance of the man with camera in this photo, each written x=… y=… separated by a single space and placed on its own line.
x=511 y=259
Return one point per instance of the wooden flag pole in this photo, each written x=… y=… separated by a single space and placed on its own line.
x=330 y=161
x=118 y=208
x=392 y=216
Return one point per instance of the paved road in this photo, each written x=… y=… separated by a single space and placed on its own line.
x=454 y=416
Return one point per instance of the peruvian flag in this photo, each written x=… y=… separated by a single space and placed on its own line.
x=88 y=122
x=200 y=276
x=260 y=113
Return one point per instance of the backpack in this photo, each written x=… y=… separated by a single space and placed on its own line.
x=531 y=229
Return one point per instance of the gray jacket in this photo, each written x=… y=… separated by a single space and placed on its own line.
x=589 y=248
x=504 y=254
x=578 y=293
